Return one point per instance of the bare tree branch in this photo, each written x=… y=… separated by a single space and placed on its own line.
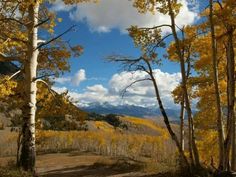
x=42 y=22
x=43 y=76
x=6 y=38
x=124 y=91
x=12 y=76
x=57 y=37
x=15 y=74
x=155 y=27
x=159 y=42
x=12 y=19
x=123 y=59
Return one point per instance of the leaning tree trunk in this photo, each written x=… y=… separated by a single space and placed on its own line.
x=217 y=92
x=27 y=158
x=184 y=83
x=183 y=160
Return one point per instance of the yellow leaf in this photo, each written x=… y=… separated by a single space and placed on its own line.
x=59 y=20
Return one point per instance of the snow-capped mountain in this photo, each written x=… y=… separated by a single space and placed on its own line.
x=131 y=110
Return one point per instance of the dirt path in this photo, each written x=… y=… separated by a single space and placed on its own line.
x=88 y=165
x=85 y=165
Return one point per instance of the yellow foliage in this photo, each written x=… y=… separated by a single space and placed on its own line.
x=148 y=123
x=7 y=87
x=208 y=146
x=105 y=142
x=59 y=20
x=104 y=126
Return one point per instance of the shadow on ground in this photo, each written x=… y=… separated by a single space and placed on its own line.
x=91 y=165
x=96 y=170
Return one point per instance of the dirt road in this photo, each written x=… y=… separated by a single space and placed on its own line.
x=86 y=165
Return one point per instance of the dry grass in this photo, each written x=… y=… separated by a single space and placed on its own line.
x=8 y=142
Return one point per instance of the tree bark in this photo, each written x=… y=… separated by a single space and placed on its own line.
x=190 y=142
x=184 y=82
x=182 y=115
x=230 y=139
x=190 y=130
x=217 y=92
x=28 y=153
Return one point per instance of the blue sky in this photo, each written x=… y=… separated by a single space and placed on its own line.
x=101 y=31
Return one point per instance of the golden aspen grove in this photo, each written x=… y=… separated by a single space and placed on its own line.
x=125 y=88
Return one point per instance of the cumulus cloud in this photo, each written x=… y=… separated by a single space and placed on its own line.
x=97 y=89
x=59 y=5
x=62 y=80
x=79 y=77
x=120 y=14
x=59 y=89
x=141 y=94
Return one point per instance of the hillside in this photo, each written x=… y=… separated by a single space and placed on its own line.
x=106 y=123
x=128 y=125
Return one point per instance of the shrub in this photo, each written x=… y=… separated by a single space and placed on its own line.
x=96 y=117
x=113 y=120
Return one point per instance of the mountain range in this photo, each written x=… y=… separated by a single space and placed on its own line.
x=130 y=110
x=7 y=68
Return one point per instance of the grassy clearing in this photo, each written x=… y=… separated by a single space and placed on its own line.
x=155 y=153
x=8 y=143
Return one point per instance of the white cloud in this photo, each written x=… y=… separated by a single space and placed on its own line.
x=59 y=89
x=120 y=14
x=141 y=94
x=96 y=93
x=62 y=80
x=59 y=5
x=79 y=77
x=98 y=89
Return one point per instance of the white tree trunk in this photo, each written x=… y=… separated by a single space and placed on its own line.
x=27 y=160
